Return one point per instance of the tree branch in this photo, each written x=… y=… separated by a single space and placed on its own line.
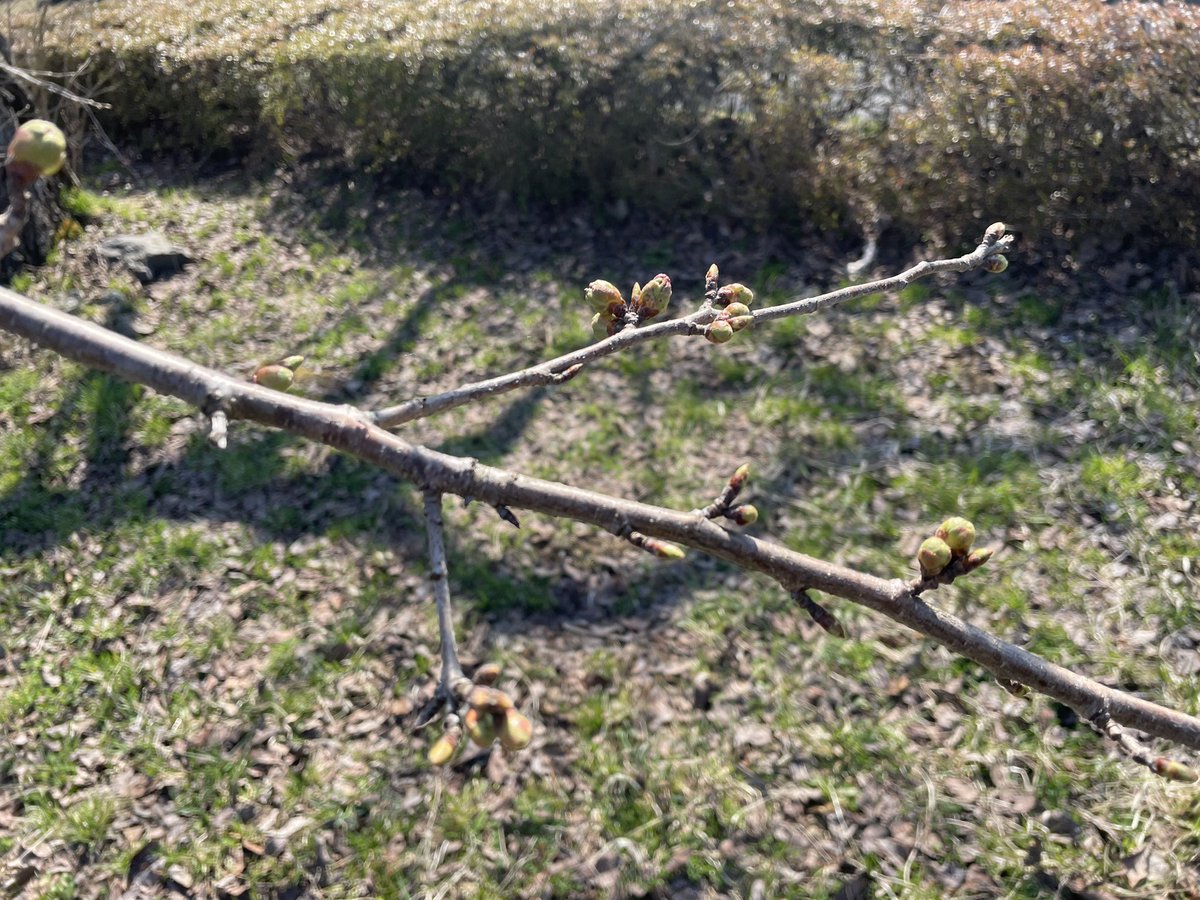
x=565 y=367
x=353 y=431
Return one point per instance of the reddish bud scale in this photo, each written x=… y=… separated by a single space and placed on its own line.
x=746 y=514
x=738 y=479
x=735 y=293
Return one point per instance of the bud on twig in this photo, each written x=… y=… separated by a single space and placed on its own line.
x=487 y=674
x=275 y=377
x=653 y=298
x=977 y=558
x=958 y=533
x=933 y=556
x=443 y=748
x=603 y=296
x=515 y=732
x=995 y=231
x=38 y=146
x=735 y=293
x=718 y=332
x=1173 y=770
x=746 y=514
x=480 y=726
x=996 y=264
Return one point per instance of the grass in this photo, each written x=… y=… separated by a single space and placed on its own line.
x=235 y=638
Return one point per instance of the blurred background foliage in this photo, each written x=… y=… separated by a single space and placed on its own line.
x=1073 y=120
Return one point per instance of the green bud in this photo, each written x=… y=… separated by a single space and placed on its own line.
x=746 y=514
x=654 y=297
x=443 y=749
x=996 y=231
x=488 y=699
x=933 y=556
x=735 y=293
x=733 y=310
x=663 y=549
x=277 y=378
x=739 y=322
x=996 y=264
x=516 y=731
x=719 y=332
x=601 y=295
x=481 y=727
x=958 y=533
x=712 y=274
x=292 y=362
x=39 y=144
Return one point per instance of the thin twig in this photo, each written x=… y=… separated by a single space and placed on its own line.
x=1139 y=752
x=556 y=370
x=27 y=76
x=439 y=575
x=820 y=614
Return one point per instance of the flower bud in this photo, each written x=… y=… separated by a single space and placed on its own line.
x=958 y=533
x=737 y=323
x=600 y=325
x=746 y=514
x=733 y=310
x=933 y=556
x=487 y=699
x=719 y=332
x=996 y=264
x=996 y=231
x=480 y=726
x=39 y=144
x=276 y=377
x=292 y=362
x=654 y=297
x=735 y=293
x=515 y=732
x=487 y=674
x=443 y=748
x=663 y=549
x=601 y=295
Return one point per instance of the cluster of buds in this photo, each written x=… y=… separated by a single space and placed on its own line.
x=998 y=263
x=489 y=715
x=645 y=302
x=38 y=149
x=279 y=376
x=722 y=507
x=951 y=542
x=734 y=300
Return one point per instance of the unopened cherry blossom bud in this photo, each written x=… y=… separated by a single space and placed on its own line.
x=735 y=293
x=480 y=726
x=654 y=297
x=996 y=264
x=39 y=145
x=487 y=674
x=601 y=295
x=746 y=514
x=275 y=377
x=933 y=556
x=443 y=748
x=958 y=533
x=515 y=732
x=719 y=332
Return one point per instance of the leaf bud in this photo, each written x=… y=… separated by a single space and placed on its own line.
x=654 y=297
x=735 y=293
x=933 y=556
x=1172 y=770
x=601 y=295
x=977 y=558
x=996 y=264
x=738 y=479
x=515 y=732
x=712 y=274
x=719 y=332
x=958 y=533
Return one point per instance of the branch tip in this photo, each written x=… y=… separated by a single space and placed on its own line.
x=819 y=614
